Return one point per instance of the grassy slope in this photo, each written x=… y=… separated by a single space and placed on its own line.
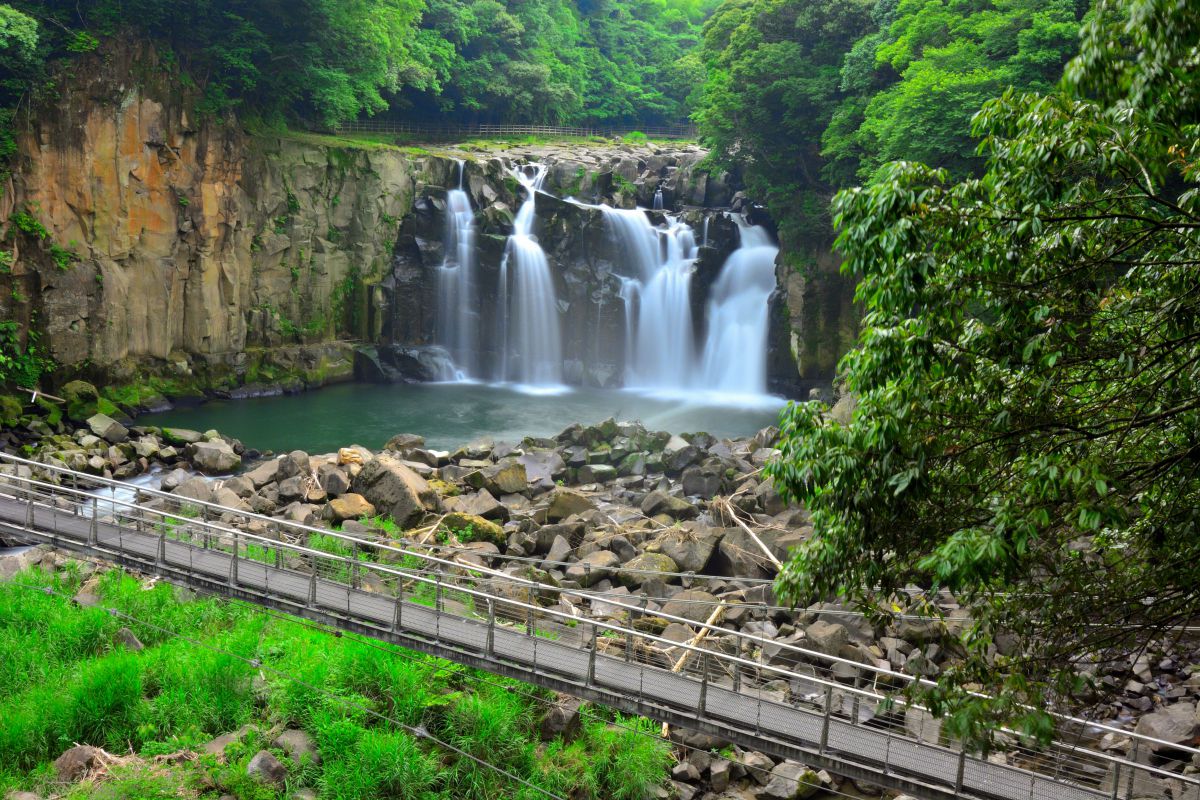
x=66 y=678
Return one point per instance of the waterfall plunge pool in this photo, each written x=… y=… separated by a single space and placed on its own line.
x=451 y=414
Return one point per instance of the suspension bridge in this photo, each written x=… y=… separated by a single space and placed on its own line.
x=827 y=712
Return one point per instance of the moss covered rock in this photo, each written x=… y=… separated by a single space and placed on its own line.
x=10 y=411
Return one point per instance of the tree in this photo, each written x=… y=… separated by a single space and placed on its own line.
x=1027 y=434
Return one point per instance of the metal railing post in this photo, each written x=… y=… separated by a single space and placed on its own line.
x=312 y=588
x=529 y=612
x=233 y=565
x=1116 y=781
x=491 y=631
x=737 y=676
x=591 y=673
x=825 y=723
x=703 y=685
x=1133 y=759
x=354 y=566
x=161 y=556
x=437 y=593
x=962 y=768
x=93 y=532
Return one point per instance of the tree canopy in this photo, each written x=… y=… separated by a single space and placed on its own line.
x=331 y=60
x=808 y=96
x=1027 y=431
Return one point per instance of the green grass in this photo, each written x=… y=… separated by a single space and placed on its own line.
x=67 y=679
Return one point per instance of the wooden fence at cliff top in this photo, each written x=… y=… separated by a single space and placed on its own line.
x=439 y=132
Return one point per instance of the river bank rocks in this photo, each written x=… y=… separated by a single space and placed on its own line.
x=91 y=436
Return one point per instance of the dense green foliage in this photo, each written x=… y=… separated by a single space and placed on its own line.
x=331 y=60
x=807 y=95
x=67 y=678
x=1027 y=432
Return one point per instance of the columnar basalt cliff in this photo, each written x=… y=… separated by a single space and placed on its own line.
x=182 y=254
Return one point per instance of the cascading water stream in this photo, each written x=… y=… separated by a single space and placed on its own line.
x=458 y=293
x=734 y=360
x=658 y=311
x=530 y=330
x=658 y=199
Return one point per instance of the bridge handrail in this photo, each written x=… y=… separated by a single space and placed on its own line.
x=361 y=544
x=629 y=633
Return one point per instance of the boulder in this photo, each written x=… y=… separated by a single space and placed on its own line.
x=565 y=503
x=472 y=528
x=593 y=567
x=129 y=640
x=213 y=457
x=689 y=549
x=196 y=489
x=561 y=720
x=508 y=478
x=543 y=467
x=597 y=473
x=403 y=442
x=790 y=781
x=679 y=454
x=659 y=502
x=395 y=490
x=107 y=428
x=694 y=605
x=476 y=504
x=267 y=768
x=1175 y=723
x=642 y=568
x=827 y=637
x=76 y=763
x=333 y=479
x=264 y=473
x=83 y=401
x=350 y=506
x=299 y=746
x=181 y=436
x=701 y=482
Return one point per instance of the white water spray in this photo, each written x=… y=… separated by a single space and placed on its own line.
x=734 y=359
x=658 y=310
x=458 y=293
x=531 y=328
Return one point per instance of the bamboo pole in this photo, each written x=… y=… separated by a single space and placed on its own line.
x=696 y=640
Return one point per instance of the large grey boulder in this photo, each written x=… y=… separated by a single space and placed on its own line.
x=478 y=504
x=689 y=549
x=394 y=489
x=646 y=567
x=593 y=567
x=827 y=637
x=565 y=503
x=790 y=781
x=299 y=746
x=214 y=457
x=107 y=428
x=267 y=768
x=1175 y=723
x=76 y=763
x=692 y=604
x=659 y=502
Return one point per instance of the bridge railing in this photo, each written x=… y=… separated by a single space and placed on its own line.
x=448 y=132
x=728 y=658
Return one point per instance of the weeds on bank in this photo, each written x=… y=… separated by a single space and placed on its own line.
x=67 y=678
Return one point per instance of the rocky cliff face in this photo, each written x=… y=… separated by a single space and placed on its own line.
x=183 y=255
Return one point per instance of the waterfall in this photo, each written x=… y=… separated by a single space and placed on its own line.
x=458 y=295
x=531 y=326
x=658 y=311
x=734 y=359
x=658 y=200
